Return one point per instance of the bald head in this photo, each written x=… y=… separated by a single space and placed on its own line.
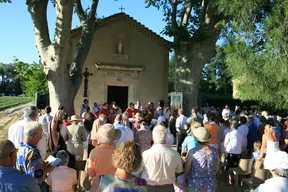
x=6 y=147
x=8 y=154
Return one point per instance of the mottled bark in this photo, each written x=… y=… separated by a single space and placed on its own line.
x=63 y=82
x=192 y=54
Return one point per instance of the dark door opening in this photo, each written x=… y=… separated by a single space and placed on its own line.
x=118 y=94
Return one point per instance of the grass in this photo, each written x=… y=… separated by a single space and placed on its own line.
x=7 y=102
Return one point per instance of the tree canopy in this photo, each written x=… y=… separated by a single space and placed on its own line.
x=256 y=49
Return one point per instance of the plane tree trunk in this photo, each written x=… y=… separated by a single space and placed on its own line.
x=192 y=53
x=64 y=79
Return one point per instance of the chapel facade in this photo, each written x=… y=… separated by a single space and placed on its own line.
x=129 y=62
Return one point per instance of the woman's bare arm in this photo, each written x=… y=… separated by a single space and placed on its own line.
x=188 y=163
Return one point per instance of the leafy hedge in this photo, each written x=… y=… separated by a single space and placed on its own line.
x=7 y=102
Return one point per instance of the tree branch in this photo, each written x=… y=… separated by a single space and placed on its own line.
x=203 y=11
x=187 y=12
x=83 y=46
x=38 y=12
x=64 y=12
x=79 y=10
x=93 y=9
x=174 y=24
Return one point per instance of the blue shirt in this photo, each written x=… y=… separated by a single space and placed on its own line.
x=11 y=180
x=255 y=154
x=190 y=142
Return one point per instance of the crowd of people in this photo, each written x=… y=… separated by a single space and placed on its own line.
x=132 y=151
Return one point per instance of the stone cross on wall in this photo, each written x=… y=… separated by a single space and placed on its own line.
x=86 y=74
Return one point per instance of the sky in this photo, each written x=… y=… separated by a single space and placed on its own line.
x=17 y=36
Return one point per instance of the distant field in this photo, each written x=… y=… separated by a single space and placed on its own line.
x=7 y=102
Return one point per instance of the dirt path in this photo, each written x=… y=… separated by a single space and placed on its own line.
x=10 y=116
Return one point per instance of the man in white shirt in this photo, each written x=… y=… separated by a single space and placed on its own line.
x=181 y=132
x=279 y=181
x=160 y=164
x=126 y=132
x=45 y=120
x=233 y=145
x=16 y=130
x=226 y=112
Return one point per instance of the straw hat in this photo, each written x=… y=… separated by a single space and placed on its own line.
x=201 y=134
x=107 y=134
x=75 y=118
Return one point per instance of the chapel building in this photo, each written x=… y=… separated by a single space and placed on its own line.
x=129 y=62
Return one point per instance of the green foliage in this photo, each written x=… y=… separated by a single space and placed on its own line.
x=184 y=32
x=9 y=83
x=5 y=1
x=7 y=102
x=33 y=78
x=216 y=78
x=257 y=50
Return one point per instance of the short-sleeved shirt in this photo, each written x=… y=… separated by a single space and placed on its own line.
x=100 y=161
x=234 y=142
x=75 y=134
x=213 y=129
x=29 y=161
x=62 y=179
x=180 y=122
x=111 y=183
x=160 y=163
x=189 y=142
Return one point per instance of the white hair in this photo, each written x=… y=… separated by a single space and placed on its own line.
x=30 y=112
x=32 y=128
x=159 y=134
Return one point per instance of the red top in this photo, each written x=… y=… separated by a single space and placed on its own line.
x=105 y=112
x=131 y=112
x=66 y=123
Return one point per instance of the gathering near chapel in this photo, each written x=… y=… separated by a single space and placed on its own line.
x=143 y=96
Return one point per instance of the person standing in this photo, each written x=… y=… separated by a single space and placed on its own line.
x=244 y=130
x=252 y=134
x=16 y=130
x=126 y=158
x=100 y=159
x=131 y=110
x=12 y=179
x=226 y=112
x=160 y=164
x=233 y=146
x=181 y=132
x=194 y=117
x=202 y=163
x=29 y=160
x=84 y=107
x=46 y=119
x=76 y=135
x=213 y=128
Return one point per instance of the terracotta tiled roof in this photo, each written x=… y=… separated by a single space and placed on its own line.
x=133 y=23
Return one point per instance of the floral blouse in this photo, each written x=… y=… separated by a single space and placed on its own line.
x=202 y=176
